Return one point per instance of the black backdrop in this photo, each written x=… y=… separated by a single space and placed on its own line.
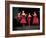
x=27 y=10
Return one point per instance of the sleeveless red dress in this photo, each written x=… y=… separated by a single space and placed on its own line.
x=29 y=18
x=19 y=18
x=23 y=20
x=35 y=19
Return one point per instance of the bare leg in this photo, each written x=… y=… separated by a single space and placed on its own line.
x=23 y=25
x=29 y=24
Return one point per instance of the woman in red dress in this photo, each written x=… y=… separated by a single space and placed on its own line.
x=23 y=20
x=35 y=18
x=29 y=19
x=19 y=16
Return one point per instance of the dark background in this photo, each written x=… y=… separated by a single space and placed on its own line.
x=17 y=25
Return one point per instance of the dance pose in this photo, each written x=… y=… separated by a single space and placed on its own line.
x=19 y=16
x=23 y=20
x=35 y=18
x=29 y=19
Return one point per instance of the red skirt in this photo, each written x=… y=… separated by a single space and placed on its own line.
x=23 y=21
x=35 y=20
x=29 y=19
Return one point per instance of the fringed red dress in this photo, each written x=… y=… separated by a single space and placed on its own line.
x=19 y=18
x=35 y=19
x=29 y=19
x=23 y=20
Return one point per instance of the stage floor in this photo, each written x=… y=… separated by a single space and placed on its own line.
x=32 y=27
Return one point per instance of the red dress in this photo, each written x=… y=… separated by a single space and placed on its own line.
x=19 y=18
x=29 y=18
x=23 y=20
x=35 y=19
